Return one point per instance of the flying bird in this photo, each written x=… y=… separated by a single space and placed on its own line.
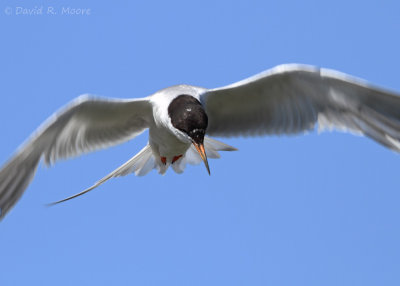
x=287 y=99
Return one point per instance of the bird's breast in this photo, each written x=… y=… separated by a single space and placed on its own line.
x=165 y=144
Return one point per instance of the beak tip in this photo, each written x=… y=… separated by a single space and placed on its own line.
x=202 y=153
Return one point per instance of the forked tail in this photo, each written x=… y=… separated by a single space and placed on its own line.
x=144 y=161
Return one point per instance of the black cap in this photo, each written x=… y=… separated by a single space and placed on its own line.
x=188 y=115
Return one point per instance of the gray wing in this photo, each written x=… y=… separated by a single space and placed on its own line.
x=290 y=99
x=87 y=124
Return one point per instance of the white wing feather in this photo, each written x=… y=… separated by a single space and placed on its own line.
x=289 y=99
x=87 y=124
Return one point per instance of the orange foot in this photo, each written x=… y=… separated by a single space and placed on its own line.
x=176 y=158
x=164 y=160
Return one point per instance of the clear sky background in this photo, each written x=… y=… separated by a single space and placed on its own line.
x=299 y=210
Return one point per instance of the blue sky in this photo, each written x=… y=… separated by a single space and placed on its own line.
x=299 y=210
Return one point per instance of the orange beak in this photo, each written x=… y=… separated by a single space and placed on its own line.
x=202 y=152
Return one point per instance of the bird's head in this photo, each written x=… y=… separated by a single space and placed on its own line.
x=189 y=117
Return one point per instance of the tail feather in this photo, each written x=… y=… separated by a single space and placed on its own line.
x=140 y=164
x=217 y=145
x=144 y=162
x=135 y=164
x=147 y=163
x=192 y=157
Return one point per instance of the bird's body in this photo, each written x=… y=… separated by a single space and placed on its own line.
x=287 y=99
x=164 y=140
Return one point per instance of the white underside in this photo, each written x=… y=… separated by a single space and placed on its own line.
x=147 y=159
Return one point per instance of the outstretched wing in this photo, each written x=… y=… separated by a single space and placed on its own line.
x=289 y=99
x=87 y=124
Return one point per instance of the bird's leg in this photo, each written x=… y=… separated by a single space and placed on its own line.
x=176 y=158
x=164 y=160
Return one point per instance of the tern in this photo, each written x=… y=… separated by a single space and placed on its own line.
x=287 y=99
